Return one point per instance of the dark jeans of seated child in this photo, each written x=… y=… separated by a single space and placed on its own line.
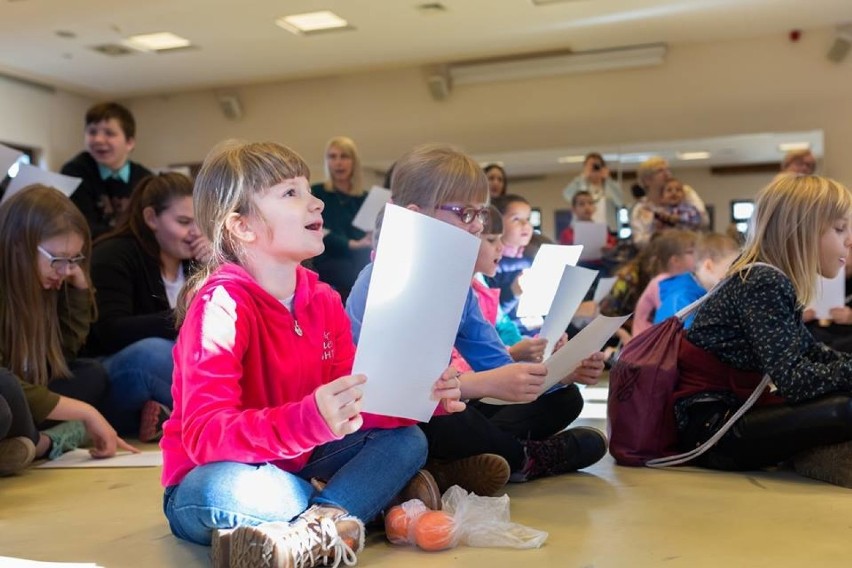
x=767 y=435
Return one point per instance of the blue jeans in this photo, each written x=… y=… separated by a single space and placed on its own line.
x=364 y=470
x=140 y=372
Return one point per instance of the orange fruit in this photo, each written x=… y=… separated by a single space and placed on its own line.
x=434 y=531
x=396 y=525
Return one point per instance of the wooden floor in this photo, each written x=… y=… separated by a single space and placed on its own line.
x=606 y=516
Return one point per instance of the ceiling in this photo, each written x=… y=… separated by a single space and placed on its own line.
x=239 y=43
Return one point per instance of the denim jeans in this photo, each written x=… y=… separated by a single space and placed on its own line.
x=140 y=372
x=364 y=471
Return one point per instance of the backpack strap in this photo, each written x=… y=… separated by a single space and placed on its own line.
x=679 y=459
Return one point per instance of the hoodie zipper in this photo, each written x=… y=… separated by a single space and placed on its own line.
x=296 y=327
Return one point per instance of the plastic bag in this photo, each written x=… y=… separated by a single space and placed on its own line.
x=466 y=518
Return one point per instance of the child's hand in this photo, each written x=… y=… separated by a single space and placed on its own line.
x=76 y=277
x=841 y=315
x=808 y=315
x=517 y=285
x=529 y=349
x=202 y=250
x=588 y=372
x=561 y=343
x=104 y=437
x=447 y=389
x=339 y=403
x=518 y=382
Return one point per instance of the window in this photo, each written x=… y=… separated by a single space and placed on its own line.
x=741 y=212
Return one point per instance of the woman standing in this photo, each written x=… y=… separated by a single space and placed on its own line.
x=347 y=248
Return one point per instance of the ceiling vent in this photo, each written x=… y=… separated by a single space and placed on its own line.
x=113 y=49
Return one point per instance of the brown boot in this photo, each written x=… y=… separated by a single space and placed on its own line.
x=422 y=486
x=482 y=474
x=15 y=454
x=832 y=464
x=321 y=536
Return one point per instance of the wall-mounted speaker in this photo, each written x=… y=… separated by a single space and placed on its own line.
x=439 y=86
x=231 y=106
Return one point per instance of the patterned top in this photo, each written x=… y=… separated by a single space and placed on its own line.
x=756 y=325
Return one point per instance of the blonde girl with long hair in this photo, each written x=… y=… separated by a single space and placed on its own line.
x=752 y=325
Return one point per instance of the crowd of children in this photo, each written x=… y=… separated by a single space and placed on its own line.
x=196 y=320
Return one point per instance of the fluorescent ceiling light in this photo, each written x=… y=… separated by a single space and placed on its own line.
x=549 y=65
x=571 y=159
x=160 y=41
x=693 y=155
x=793 y=146
x=312 y=22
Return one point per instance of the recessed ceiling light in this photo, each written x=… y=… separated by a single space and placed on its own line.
x=571 y=159
x=793 y=146
x=160 y=41
x=312 y=22
x=693 y=155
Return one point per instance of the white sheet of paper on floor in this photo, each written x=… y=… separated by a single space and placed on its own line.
x=420 y=281
x=8 y=156
x=589 y=340
x=573 y=286
x=593 y=238
x=365 y=218
x=81 y=458
x=831 y=293
x=28 y=175
x=542 y=278
x=9 y=562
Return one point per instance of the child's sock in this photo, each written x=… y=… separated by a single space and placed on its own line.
x=65 y=437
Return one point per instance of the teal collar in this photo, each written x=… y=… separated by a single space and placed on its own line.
x=122 y=173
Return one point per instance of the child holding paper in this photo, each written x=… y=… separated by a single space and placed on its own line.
x=583 y=209
x=264 y=401
x=445 y=184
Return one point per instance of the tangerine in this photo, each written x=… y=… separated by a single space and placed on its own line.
x=434 y=531
x=396 y=525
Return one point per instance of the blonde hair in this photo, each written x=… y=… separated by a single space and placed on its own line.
x=347 y=146
x=431 y=175
x=791 y=215
x=30 y=332
x=715 y=246
x=649 y=166
x=231 y=174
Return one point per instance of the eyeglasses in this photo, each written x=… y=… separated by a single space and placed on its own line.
x=467 y=214
x=61 y=262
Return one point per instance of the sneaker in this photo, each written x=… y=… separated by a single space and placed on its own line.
x=569 y=450
x=220 y=548
x=64 y=437
x=482 y=474
x=832 y=464
x=321 y=536
x=15 y=454
x=422 y=486
x=154 y=415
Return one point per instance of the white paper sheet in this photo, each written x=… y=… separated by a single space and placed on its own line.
x=365 y=219
x=419 y=284
x=831 y=293
x=605 y=284
x=593 y=238
x=572 y=289
x=542 y=278
x=28 y=175
x=8 y=156
x=589 y=340
x=81 y=458
x=9 y=562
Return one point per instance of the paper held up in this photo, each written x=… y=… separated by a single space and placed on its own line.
x=420 y=281
x=365 y=219
x=541 y=280
x=593 y=238
x=29 y=175
x=589 y=340
x=573 y=286
x=831 y=293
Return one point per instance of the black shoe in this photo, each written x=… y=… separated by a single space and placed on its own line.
x=567 y=451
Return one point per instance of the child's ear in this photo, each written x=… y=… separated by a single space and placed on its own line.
x=413 y=207
x=240 y=228
x=707 y=264
x=150 y=216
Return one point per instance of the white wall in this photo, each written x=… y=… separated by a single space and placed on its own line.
x=747 y=86
x=49 y=121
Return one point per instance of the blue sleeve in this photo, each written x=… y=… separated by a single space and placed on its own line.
x=356 y=303
x=677 y=293
x=507 y=329
x=477 y=340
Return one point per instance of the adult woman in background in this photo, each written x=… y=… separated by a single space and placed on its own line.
x=138 y=270
x=347 y=248
x=498 y=184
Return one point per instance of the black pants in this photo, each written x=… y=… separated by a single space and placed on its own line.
x=88 y=382
x=767 y=435
x=485 y=428
x=15 y=416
